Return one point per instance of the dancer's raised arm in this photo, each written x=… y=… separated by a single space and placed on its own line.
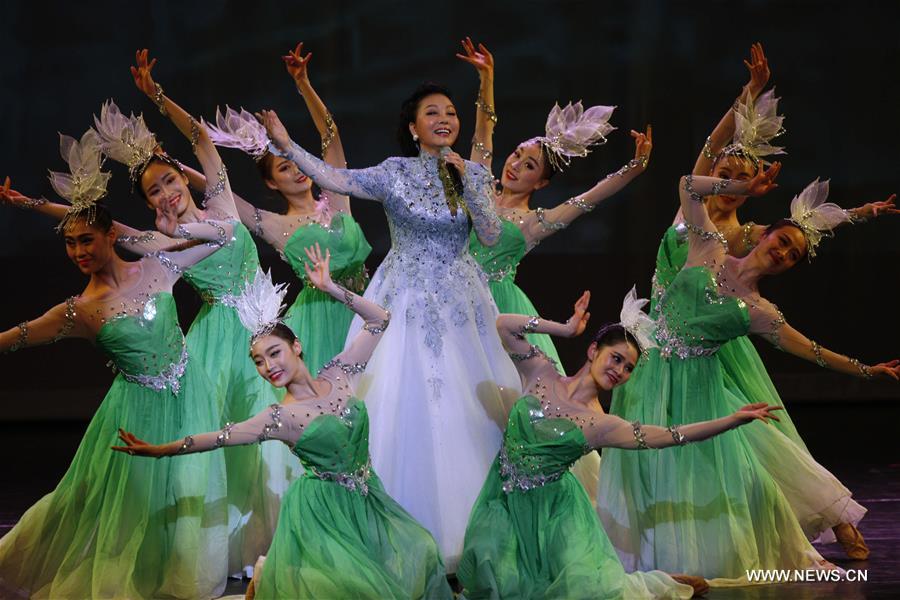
x=485 y=116
x=721 y=136
x=544 y=223
x=370 y=184
x=219 y=195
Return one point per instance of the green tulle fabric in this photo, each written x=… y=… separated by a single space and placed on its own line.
x=500 y=262
x=342 y=536
x=123 y=527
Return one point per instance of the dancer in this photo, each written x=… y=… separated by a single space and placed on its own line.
x=821 y=503
x=715 y=509
x=339 y=534
x=432 y=444
x=570 y=132
x=112 y=528
x=533 y=533
x=320 y=321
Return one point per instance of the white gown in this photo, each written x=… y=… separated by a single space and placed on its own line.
x=432 y=386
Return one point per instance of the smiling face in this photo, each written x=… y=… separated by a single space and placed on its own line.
x=612 y=365
x=523 y=171
x=163 y=185
x=732 y=167
x=277 y=360
x=436 y=123
x=283 y=176
x=88 y=246
x=781 y=248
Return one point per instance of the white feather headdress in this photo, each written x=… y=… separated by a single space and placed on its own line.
x=756 y=124
x=239 y=130
x=570 y=131
x=126 y=140
x=260 y=304
x=635 y=320
x=85 y=183
x=815 y=217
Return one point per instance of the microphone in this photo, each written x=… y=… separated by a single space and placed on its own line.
x=454 y=174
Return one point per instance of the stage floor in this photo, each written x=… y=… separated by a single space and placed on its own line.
x=875 y=483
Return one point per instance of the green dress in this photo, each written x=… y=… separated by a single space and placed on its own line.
x=533 y=533
x=499 y=263
x=339 y=534
x=317 y=319
x=257 y=477
x=819 y=500
x=117 y=527
x=712 y=508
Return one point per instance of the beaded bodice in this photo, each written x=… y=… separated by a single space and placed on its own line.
x=343 y=238
x=537 y=449
x=146 y=344
x=500 y=261
x=335 y=446
x=224 y=272
x=694 y=318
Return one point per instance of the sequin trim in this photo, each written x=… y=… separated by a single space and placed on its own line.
x=218 y=188
x=354 y=481
x=527 y=328
x=349 y=369
x=516 y=480
x=276 y=423
x=380 y=327
x=670 y=343
x=639 y=435
x=168 y=378
x=548 y=225
x=69 y=322
x=22 y=339
x=580 y=203
x=533 y=352
x=677 y=436
x=143 y=238
x=223 y=437
x=186 y=445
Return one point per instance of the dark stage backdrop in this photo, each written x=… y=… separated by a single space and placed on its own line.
x=677 y=65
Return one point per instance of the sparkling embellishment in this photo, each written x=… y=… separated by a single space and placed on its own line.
x=679 y=437
x=195 y=134
x=486 y=108
x=168 y=378
x=330 y=131
x=817 y=350
x=349 y=369
x=864 y=370
x=355 y=481
x=183 y=232
x=380 y=327
x=689 y=188
x=639 y=435
x=218 y=188
x=548 y=225
x=707 y=149
x=186 y=444
x=481 y=148
x=22 y=339
x=517 y=480
x=580 y=203
x=69 y=322
x=527 y=328
x=534 y=351
x=143 y=238
x=257 y=222
x=167 y=262
x=634 y=163
x=268 y=428
x=223 y=437
x=671 y=343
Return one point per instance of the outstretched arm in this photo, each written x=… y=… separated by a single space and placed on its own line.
x=758 y=66
x=370 y=184
x=485 y=116
x=57 y=323
x=610 y=431
x=529 y=360
x=266 y=425
x=218 y=194
x=129 y=238
x=376 y=319
x=204 y=238
x=871 y=210
x=786 y=338
x=332 y=148
x=545 y=223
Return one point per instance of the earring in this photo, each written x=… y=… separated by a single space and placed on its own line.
x=415 y=137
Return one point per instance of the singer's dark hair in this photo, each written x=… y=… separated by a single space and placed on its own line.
x=408 y=111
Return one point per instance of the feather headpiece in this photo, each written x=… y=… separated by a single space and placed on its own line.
x=570 y=131
x=260 y=304
x=636 y=321
x=815 y=217
x=85 y=183
x=239 y=130
x=126 y=140
x=756 y=124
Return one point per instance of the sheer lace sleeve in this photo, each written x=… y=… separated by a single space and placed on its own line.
x=275 y=422
x=477 y=192
x=372 y=183
x=57 y=323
